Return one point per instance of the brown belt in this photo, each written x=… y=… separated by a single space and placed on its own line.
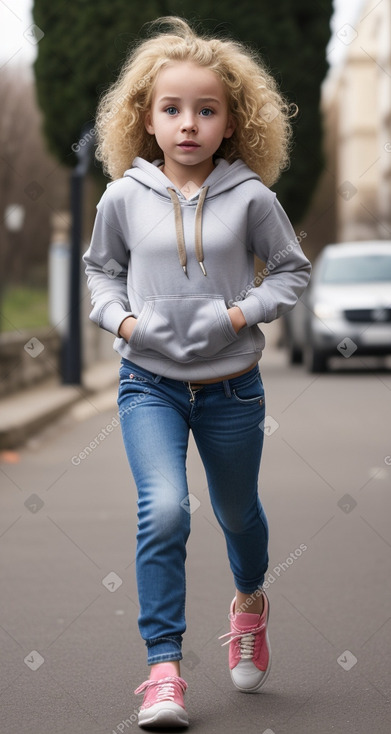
x=200 y=383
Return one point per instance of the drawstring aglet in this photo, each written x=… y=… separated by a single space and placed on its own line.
x=201 y=264
x=184 y=268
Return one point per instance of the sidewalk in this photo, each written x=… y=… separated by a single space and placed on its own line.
x=30 y=410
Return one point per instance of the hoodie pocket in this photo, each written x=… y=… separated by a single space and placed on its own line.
x=183 y=328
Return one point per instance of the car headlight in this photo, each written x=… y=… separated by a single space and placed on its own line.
x=326 y=311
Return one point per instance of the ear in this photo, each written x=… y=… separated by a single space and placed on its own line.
x=231 y=125
x=148 y=123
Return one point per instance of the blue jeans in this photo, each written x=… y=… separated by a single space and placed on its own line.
x=156 y=416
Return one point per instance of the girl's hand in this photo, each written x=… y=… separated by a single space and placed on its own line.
x=127 y=327
x=237 y=318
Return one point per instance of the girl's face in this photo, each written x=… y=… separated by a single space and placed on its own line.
x=189 y=117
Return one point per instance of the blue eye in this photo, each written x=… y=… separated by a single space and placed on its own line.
x=171 y=110
x=206 y=112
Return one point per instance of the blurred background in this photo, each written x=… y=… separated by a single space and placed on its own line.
x=331 y=59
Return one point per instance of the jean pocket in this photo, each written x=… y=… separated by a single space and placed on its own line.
x=130 y=373
x=251 y=393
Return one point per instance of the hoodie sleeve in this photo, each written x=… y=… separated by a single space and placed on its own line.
x=273 y=240
x=106 y=263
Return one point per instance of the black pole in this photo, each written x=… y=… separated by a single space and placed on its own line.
x=72 y=363
x=72 y=344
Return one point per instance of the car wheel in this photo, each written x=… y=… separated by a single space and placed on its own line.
x=315 y=361
x=295 y=355
x=294 y=352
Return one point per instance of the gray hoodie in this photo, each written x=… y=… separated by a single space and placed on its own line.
x=178 y=264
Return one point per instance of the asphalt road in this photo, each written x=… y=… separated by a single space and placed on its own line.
x=71 y=655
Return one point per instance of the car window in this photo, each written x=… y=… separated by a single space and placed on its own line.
x=356 y=269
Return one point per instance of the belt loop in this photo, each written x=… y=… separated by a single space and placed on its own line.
x=157 y=378
x=227 y=388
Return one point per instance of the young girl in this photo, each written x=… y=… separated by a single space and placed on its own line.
x=193 y=132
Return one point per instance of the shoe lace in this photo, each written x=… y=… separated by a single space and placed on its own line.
x=246 y=640
x=165 y=687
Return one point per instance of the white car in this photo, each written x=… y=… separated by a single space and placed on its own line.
x=346 y=310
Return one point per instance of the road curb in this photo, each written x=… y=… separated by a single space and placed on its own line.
x=28 y=411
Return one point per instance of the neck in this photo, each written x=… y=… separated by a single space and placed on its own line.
x=189 y=178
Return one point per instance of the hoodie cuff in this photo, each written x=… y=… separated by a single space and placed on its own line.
x=112 y=317
x=253 y=310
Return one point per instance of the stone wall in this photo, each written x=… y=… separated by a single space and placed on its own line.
x=27 y=358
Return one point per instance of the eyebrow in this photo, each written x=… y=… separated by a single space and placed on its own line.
x=202 y=100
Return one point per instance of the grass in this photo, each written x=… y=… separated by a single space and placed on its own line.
x=24 y=307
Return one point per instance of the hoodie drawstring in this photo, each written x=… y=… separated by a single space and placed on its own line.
x=198 y=229
x=180 y=238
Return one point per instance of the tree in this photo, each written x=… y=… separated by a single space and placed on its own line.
x=86 y=42
x=291 y=36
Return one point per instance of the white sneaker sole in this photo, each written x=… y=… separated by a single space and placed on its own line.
x=164 y=714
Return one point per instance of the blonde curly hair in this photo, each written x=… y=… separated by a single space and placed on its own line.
x=262 y=133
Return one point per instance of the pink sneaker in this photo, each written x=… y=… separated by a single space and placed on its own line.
x=163 y=704
x=249 y=648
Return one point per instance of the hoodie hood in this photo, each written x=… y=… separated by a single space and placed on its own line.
x=224 y=177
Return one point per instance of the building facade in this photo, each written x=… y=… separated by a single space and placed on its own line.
x=356 y=103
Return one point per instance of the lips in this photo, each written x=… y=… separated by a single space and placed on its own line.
x=188 y=144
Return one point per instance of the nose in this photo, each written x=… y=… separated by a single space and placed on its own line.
x=188 y=123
